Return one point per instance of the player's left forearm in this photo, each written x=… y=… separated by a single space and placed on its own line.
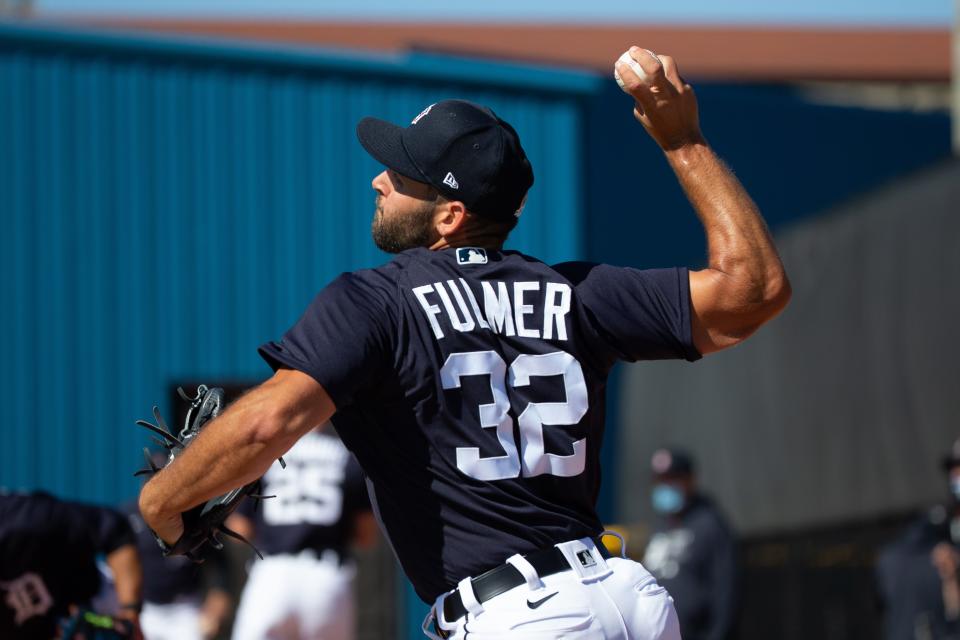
x=235 y=449
x=227 y=454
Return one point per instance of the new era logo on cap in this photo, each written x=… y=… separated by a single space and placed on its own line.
x=450 y=181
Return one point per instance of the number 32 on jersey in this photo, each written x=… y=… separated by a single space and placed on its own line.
x=531 y=460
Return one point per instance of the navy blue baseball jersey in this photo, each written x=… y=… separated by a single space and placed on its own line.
x=317 y=497
x=470 y=385
x=48 y=551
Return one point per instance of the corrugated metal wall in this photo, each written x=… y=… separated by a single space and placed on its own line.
x=840 y=410
x=167 y=206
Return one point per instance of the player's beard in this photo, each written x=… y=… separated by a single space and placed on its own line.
x=400 y=232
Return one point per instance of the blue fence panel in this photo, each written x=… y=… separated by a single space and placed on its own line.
x=170 y=205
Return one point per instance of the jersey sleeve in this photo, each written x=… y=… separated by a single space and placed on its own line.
x=107 y=529
x=342 y=340
x=640 y=314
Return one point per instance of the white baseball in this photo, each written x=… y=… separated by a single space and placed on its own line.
x=628 y=60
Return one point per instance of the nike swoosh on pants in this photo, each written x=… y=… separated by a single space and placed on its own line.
x=534 y=605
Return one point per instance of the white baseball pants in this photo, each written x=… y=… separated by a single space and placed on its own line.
x=299 y=597
x=615 y=599
x=173 y=621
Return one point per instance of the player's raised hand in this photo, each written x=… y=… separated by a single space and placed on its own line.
x=663 y=102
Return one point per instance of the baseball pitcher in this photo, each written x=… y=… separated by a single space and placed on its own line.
x=469 y=380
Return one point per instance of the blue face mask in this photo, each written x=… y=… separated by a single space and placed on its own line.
x=667 y=499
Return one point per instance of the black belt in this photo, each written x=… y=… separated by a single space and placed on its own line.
x=505 y=577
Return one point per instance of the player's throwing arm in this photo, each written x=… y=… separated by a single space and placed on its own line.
x=745 y=284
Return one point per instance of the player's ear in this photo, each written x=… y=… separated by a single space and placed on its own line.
x=450 y=217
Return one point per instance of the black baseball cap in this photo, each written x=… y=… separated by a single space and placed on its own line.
x=460 y=148
x=671 y=462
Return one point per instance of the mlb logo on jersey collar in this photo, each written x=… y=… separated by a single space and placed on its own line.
x=471 y=255
x=586 y=560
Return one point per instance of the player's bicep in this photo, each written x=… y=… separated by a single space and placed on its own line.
x=720 y=315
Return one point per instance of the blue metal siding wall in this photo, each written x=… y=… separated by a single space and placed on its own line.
x=167 y=207
x=796 y=158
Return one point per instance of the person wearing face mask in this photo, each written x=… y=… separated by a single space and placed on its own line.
x=917 y=575
x=692 y=551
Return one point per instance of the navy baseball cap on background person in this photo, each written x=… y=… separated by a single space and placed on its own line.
x=461 y=149
x=671 y=462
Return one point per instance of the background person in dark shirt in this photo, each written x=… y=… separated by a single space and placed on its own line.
x=917 y=574
x=692 y=552
x=48 y=563
x=182 y=600
x=303 y=587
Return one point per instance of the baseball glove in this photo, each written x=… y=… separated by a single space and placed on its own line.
x=203 y=524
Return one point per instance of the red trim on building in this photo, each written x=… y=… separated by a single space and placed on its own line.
x=753 y=53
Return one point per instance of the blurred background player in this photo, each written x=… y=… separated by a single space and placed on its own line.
x=692 y=551
x=917 y=574
x=303 y=587
x=48 y=563
x=181 y=600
